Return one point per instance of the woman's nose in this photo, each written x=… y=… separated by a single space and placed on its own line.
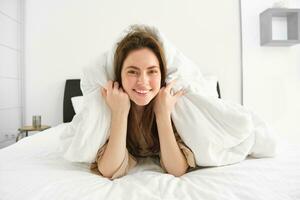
x=142 y=78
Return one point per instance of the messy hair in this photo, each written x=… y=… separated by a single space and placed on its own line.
x=139 y=37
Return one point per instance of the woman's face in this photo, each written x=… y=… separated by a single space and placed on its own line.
x=141 y=76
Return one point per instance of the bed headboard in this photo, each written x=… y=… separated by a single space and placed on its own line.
x=72 y=89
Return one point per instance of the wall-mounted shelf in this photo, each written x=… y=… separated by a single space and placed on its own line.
x=293 y=26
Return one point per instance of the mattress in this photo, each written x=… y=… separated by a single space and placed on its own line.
x=34 y=168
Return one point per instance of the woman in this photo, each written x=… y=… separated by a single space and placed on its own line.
x=141 y=105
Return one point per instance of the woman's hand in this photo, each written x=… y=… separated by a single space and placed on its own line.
x=117 y=100
x=165 y=101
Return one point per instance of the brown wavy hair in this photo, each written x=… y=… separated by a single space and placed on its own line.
x=140 y=37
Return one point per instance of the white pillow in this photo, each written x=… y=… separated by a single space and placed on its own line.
x=77 y=103
x=211 y=82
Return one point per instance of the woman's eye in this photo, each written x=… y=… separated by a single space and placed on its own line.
x=153 y=71
x=132 y=72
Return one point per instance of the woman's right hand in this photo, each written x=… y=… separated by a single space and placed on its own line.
x=117 y=100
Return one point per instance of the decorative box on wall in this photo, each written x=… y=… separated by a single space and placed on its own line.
x=293 y=26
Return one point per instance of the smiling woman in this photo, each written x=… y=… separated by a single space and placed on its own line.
x=141 y=83
x=141 y=104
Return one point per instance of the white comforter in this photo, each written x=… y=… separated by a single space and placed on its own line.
x=217 y=131
x=34 y=169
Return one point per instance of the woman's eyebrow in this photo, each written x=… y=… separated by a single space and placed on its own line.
x=128 y=67
x=134 y=67
x=152 y=67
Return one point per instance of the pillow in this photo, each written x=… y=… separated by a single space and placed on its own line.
x=77 y=103
x=211 y=82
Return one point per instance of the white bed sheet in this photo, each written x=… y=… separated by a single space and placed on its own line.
x=34 y=169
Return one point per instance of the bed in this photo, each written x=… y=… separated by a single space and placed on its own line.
x=34 y=168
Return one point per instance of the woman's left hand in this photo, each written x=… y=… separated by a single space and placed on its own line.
x=165 y=101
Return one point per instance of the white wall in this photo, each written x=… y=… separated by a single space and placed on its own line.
x=62 y=36
x=10 y=70
x=271 y=74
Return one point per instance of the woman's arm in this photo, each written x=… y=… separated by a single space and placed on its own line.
x=171 y=155
x=115 y=151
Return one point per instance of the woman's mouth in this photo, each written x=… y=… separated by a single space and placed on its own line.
x=141 y=92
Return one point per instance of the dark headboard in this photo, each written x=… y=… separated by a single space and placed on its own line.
x=218 y=90
x=72 y=89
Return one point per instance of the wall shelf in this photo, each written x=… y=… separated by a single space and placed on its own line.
x=293 y=26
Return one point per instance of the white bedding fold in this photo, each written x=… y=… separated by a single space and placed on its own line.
x=217 y=131
x=34 y=169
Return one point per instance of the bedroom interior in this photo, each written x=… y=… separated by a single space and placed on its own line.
x=248 y=51
x=241 y=67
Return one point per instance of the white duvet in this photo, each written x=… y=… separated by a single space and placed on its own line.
x=218 y=132
x=34 y=169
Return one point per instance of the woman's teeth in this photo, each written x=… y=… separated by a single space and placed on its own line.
x=142 y=91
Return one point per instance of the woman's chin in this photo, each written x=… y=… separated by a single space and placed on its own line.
x=141 y=99
x=141 y=103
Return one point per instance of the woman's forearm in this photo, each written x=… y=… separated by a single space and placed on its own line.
x=172 y=156
x=114 y=153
